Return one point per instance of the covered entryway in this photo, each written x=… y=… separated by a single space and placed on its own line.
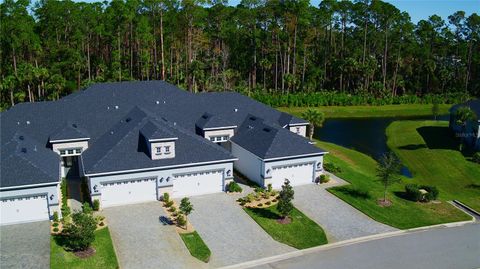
x=197 y=183
x=23 y=209
x=129 y=192
x=298 y=174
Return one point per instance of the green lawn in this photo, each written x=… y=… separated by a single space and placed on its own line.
x=301 y=233
x=359 y=170
x=431 y=153
x=104 y=257
x=196 y=246
x=370 y=111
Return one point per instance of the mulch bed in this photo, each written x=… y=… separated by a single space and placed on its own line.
x=286 y=220
x=83 y=254
x=384 y=203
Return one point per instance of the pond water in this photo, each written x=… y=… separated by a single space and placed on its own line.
x=366 y=135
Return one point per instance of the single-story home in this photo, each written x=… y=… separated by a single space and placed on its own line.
x=470 y=132
x=134 y=141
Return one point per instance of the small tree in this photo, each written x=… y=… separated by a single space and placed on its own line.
x=315 y=119
x=388 y=171
x=186 y=207
x=435 y=110
x=80 y=233
x=285 y=198
x=462 y=116
x=86 y=208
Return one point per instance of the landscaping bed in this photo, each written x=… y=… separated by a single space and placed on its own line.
x=300 y=233
x=104 y=256
x=365 y=189
x=196 y=246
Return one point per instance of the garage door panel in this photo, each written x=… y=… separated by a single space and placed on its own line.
x=197 y=183
x=129 y=192
x=24 y=209
x=297 y=174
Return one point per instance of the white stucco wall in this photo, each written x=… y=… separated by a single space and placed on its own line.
x=163 y=186
x=163 y=154
x=225 y=132
x=248 y=164
x=52 y=192
x=317 y=168
x=56 y=147
x=302 y=130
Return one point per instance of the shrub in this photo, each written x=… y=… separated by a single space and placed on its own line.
x=166 y=197
x=101 y=224
x=169 y=203
x=324 y=178
x=413 y=192
x=96 y=205
x=268 y=203
x=80 y=233
x=476 y=157
x=266 y=195
x=86 y=208
x=55 y=224
x=432 y=193
x=65 y=210
x=242 y=203
x=250 y=197
x=259 y=190
x=172 y=209
x=174 y=214
x=181 y=221
x=234 y=187
x=55 y=216
x=260 y=205
x=274 y=200
x=332 y=168
x=55 y=230
x=269 y=187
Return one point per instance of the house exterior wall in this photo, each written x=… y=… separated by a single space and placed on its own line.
x=56 y=147
x=164 y=177
x=248 y=164
x=52 y=192
x=302 y=130
x=163 y=154
x=225 y=132
x=317 y=168
x=470 y=134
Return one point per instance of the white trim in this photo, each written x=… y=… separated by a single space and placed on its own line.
x=219 y=128
x=162 y=139
x=29 y=186
x=159 y=168
x=297 y=156
x=296 y=124
x=69 y=140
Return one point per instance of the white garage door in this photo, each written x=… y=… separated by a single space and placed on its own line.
x=25 y=209
x=197 y=183
x=298 y=174
x=129 y=192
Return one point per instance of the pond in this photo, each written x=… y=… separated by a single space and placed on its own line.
x=366 y=135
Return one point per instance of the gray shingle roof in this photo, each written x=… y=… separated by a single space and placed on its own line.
x=269 y=141
x=104 y=108
x=152 y=131
x=208 y=120
x=25 y=162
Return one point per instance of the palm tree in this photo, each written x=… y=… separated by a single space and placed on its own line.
x=315 y=118
x=462 y=116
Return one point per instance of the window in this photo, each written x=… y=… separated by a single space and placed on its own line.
x=78 y=151
x=167 y=149
x=298 y=130
x=225 y=138
x=212 y=139
x=158 y=150
x=62 y=152
x=70 y=151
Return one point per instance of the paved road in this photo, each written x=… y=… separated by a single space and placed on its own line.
x=143 y=240
x=449 y=248
x=231 y=234
x=340 y=220
x=25 y=245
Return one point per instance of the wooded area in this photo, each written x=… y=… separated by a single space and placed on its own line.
x=368 y=48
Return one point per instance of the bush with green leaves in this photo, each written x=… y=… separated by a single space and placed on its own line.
x=432 y=193
x=285 y=205
x=55 y=224
x=172 y=209
x=86 y=208
x=55 y=230
x=476 y=157
x=234 y=187
x=166 y=197
x=169 y=203
x=186 y=207
x=181 y=221
x=412 y=192
x=269 y=187
x=96 y=204
x=324 y=178
x=259 y=190
x=260 y=205
x=79 y=234
x=268 y=203
x=55 y=216
x=332 y=168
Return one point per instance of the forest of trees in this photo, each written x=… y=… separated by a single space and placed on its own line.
x=367 y=47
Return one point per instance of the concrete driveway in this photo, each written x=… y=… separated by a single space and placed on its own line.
x=231 y=234
x=25 y=245
x=143 y=239
x=340 y=220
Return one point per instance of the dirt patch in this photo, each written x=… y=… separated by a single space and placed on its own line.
x=286 y=220
x=83 y=254
x=384 y=203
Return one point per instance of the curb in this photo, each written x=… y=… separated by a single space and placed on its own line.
x=465 y=209
x=347 y=242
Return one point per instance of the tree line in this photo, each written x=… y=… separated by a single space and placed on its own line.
x=366 y=47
